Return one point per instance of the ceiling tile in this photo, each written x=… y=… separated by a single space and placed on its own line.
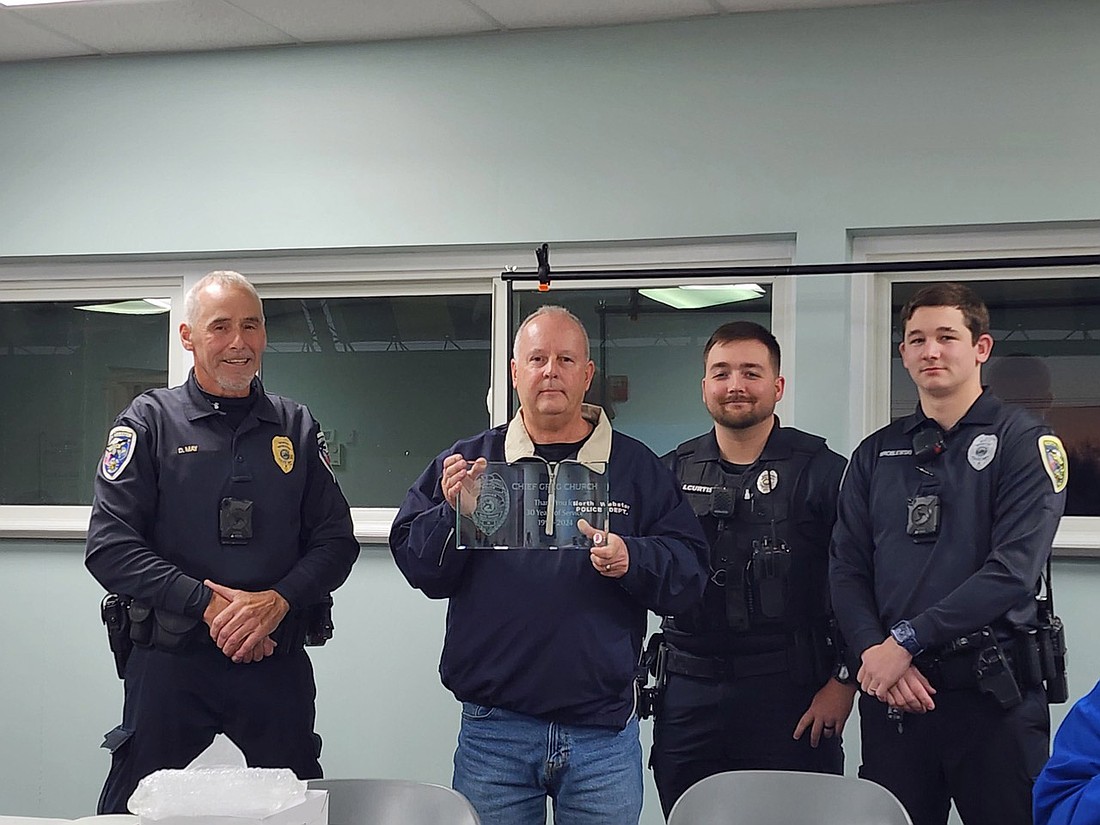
x=327 y=20
x=22 y=40
x=777 y=5
x=523 y=14
x=125 y=26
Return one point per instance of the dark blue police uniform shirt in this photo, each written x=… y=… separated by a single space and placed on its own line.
x=171 y=459
x=1000 y=484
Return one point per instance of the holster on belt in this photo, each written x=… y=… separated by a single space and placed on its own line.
x=115 y=613
x=651 y=663
x=980 y=661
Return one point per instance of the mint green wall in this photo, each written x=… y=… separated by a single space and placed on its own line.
x=816 y=122
x=380 y=710
x=812 y=122
x=939 y=113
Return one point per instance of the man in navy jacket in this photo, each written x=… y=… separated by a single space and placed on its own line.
x=542 y=647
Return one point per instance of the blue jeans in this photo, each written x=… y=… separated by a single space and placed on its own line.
x=507 y=763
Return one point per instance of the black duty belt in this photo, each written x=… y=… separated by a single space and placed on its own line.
x=953 y=667
x=726 y=668
x=174 y=633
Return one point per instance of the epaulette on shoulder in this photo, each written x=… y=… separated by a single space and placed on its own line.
x=688 y=448
x=802 y=442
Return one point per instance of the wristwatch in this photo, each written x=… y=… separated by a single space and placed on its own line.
x=905 y=636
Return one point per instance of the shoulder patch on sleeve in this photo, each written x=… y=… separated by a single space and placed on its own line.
x=1053 y=455
x=120 y=449
x=322 y=451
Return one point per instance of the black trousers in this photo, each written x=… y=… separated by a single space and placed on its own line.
x=176 y=703
x=967 y=749
x=706 y=727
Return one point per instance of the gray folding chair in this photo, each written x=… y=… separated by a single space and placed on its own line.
x=393 y=802
x=786 y=798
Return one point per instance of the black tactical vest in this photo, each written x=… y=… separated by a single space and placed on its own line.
x=769 y=553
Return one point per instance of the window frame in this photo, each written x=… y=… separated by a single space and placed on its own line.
x=872 y=322
x=379 y=272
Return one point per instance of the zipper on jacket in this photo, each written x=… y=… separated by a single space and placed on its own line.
x=552 y=468
x=550 y=493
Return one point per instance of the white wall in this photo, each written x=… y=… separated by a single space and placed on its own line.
x=816 y=123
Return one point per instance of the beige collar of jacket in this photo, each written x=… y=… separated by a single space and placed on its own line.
x=594 y=453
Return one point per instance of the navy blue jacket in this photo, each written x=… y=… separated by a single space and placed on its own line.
x=1067 y=792
x=541 y=632
x=154 y=531
x=1001 y=495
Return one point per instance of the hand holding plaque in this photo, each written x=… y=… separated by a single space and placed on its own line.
x=460 y=482
x=609 y=554
x=530 y=505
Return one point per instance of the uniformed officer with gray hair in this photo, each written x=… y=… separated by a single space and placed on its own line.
x=220 y=531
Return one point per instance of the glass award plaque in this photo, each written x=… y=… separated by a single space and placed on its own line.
x=532 y=505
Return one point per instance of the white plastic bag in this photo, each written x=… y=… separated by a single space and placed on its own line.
x=217 y=783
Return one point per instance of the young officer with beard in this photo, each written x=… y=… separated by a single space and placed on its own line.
x=750 y=671
x=945 y=525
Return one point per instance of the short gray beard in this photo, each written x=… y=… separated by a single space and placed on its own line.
x=234 y=386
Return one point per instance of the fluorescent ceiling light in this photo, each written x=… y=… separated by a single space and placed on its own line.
x=701 y=296
x=142 y=306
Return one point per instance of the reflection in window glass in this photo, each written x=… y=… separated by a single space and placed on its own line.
x=393 y=381
x=1046 y=356
x=649 y=356
x=67 y=371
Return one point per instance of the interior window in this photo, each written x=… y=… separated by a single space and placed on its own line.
x=648 y=349
x=67 y=370
x=393 y=381
x=1046 y=356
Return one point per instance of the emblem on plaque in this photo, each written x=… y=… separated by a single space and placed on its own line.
x=492 y=504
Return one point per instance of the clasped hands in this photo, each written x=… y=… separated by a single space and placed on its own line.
x=888 y=674
x=241 y=621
